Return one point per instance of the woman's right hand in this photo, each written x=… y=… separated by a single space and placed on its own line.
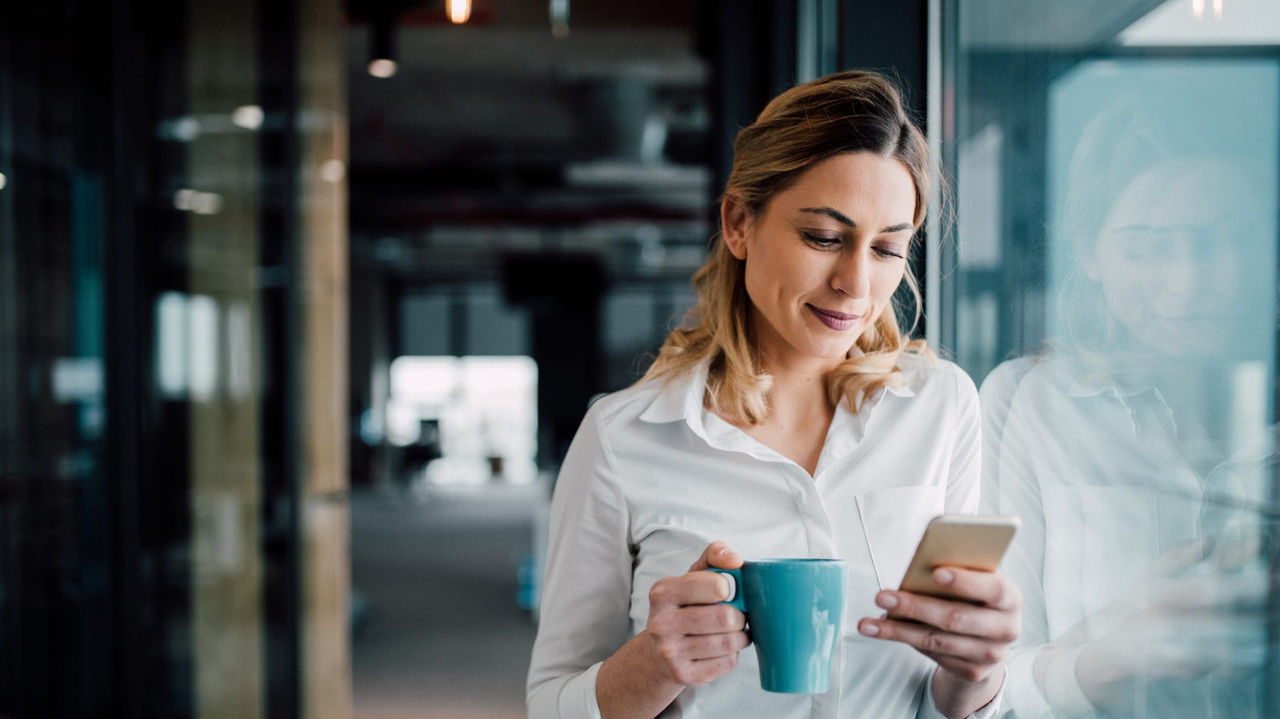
x=690 y=639
x=695 y=638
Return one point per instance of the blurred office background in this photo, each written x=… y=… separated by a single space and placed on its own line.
x=293 y=341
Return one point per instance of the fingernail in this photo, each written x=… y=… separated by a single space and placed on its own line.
x=943 y=577
x=868 y=629
x=886 y=601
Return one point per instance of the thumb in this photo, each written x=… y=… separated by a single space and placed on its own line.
x=718 y=555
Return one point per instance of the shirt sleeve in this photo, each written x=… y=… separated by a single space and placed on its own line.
x=586 y=592
x=1053 y=689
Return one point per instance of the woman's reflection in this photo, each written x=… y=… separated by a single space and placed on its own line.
x=1135 y=447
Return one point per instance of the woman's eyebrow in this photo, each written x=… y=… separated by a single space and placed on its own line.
x=832 y=213
x=844 y=220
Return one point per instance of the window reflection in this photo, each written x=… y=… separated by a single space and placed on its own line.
x=1133 y=431
x=203 y=350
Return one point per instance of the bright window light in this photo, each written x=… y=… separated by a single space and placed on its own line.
x=486 y=409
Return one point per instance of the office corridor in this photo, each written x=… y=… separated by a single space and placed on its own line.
x=443 y=636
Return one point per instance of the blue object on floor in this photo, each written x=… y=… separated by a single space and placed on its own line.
x=527 y=583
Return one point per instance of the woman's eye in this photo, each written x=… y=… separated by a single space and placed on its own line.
x=820 y=240
x=888 y=252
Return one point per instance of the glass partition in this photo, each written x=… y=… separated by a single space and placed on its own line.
x=1115 y=294
x=173 y=517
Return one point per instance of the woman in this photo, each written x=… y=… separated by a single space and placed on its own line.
x=790 y=418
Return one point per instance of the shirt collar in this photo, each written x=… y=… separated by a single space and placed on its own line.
x=848 y=429
x=681 y=398
x=678 y=397
x=1076 y=377
x=1142 y=402
x=899 y=390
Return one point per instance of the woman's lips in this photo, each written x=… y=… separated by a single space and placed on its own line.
x=837 y=321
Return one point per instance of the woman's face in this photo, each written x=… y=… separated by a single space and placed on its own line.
x=824 y=257
x=1178 y=262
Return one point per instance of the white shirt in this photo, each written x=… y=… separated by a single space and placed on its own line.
x=652 y=478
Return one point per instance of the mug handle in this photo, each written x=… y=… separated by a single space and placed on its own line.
x=735 y=583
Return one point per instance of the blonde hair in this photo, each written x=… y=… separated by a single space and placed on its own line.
x=852 y=111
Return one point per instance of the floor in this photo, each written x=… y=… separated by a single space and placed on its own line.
x=439 y=633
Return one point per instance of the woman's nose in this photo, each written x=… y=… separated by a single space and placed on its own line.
x=851 y=274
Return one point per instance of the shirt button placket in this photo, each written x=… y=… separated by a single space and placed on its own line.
x=821 y=542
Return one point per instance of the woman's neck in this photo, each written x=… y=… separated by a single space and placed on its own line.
x=798 y=394
x=800 y=410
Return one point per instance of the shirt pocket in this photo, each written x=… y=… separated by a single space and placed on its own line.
x=893 y=520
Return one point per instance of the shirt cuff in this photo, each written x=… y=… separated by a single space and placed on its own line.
x=1057 y=676
x=929 y=710
x=1042 y=682
x=580 y=693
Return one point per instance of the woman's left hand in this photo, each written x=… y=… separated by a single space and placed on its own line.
x=968 y=637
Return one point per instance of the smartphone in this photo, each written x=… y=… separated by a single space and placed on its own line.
x=971 y=541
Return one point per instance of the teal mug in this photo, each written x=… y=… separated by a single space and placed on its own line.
x=793 y=608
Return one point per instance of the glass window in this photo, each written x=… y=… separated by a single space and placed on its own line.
x=1115 y=180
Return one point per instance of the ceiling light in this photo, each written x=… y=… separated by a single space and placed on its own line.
x=3 y=180
x=382 y=58
x=382 y=67
x=1206 y=23
x=459 y=10
x=247 y=116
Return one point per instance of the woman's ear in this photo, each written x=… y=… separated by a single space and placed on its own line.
x=734 y=224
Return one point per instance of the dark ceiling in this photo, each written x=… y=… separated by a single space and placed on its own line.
x=496 y=136
x=499 y=136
